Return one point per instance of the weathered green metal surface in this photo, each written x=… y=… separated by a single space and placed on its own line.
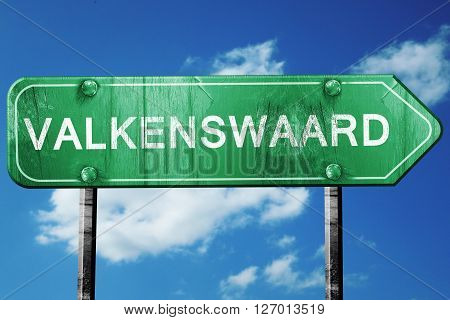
x=215 y=131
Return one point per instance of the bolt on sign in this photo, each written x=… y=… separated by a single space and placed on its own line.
x=215 y=131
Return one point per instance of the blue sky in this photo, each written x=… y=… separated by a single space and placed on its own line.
x=397 y=245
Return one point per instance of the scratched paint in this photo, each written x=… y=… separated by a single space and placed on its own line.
x=215 y=131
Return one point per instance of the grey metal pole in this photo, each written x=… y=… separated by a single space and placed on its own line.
x=87 y=244
x=333 y=244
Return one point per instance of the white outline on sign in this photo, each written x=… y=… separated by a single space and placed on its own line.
x=412 y=152
x=222 y=84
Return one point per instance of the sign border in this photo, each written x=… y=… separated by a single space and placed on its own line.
x=173 y=84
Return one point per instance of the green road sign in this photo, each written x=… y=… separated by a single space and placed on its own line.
x=215 y=131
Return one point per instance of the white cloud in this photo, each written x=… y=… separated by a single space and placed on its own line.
x=355 y=279
x=253 y=59
x=179 y=219
x=319 y=252
x=281 y=273
x=423 y=66
x=234 y=286
x=179 y=292
x=61 y=223
x=190 y=61
x=368 y=243
x=278 y=210
x=314 y=279
x=285 y=241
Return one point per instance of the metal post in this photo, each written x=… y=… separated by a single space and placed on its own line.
x=333 y=244
x=87 y=244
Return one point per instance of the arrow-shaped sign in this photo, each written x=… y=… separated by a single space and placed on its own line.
x=215 y=131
